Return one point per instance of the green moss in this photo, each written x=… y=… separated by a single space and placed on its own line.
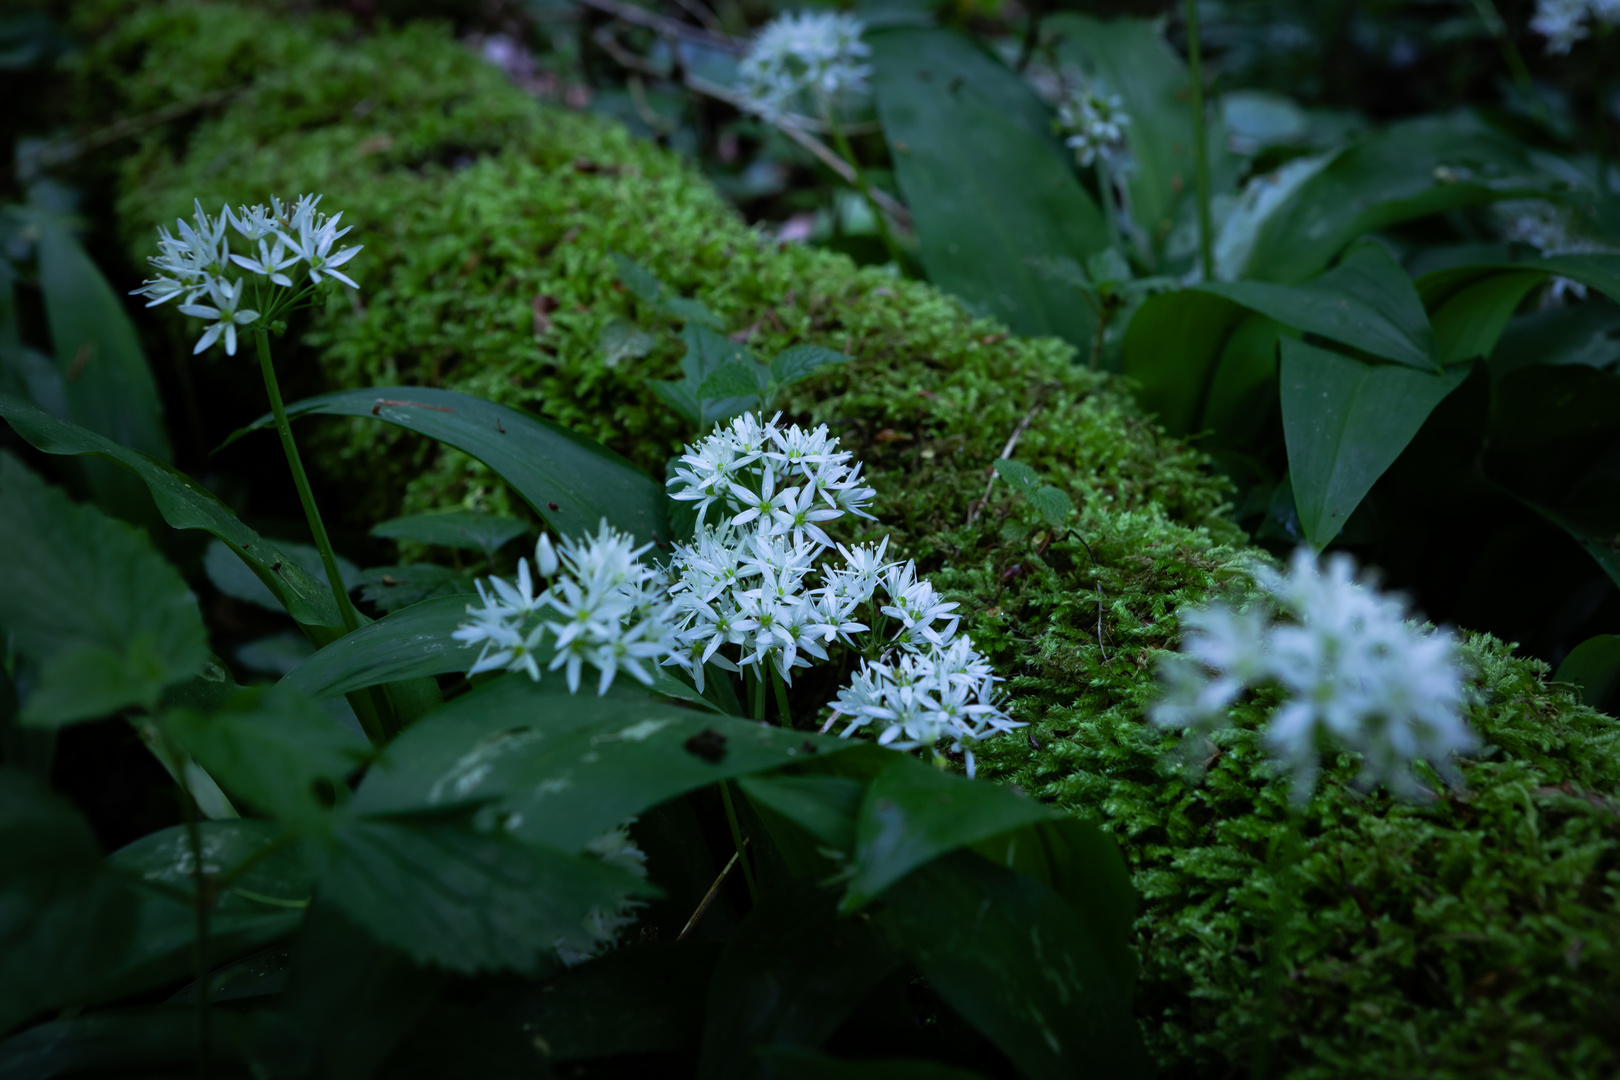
x=1472 y=936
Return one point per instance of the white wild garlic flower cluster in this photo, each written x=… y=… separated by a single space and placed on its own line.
x=1094 y=124
x=199 y=268
x=1564 y=22
x=1355 y=673
x=758 y=590
x=1547 y=228
x=809 y=54
x=600 y=606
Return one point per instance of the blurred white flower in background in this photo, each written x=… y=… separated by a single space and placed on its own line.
x=1354 y=672
x=1563 y=22
x=1548 y=229
x=1094 y=125
x=816 y=55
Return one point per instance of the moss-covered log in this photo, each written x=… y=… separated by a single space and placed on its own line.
x=1475 y=935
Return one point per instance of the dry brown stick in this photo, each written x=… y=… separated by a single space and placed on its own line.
x=708 y=897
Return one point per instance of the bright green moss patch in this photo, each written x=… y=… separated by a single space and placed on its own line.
x=1474 y=936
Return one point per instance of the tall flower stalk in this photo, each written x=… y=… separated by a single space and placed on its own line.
x=289 y=261
x=1200 y=124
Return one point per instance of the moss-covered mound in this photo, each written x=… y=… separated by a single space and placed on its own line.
x=1476 y=935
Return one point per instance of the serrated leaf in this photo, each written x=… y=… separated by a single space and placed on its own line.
x=691 y=311
x=464 y=900
x=645 y=286
x=184 y=504
x=274 y=749
x=736 y=379
x=641 y=282
x=1053 y=504
x=86 y=597
x=237 y=579
x=914 y=813
x=465 y=529
x=63 y=916
x=1019 y=476
x=1345 y=421
x=623 y=340
x=799 y=362
x=1020 y=965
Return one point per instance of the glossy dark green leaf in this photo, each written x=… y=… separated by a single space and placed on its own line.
x=914 y=813
x=394 y=588
x=1410 y=169
x=1020 y=965
x=1171 y=349
x=570 y=481
x=1469 y=323
x=63 y=916
x=237 y=579
x=789 y=976
x=464 y=529
x=87 y=598
x=1242 y=393
x=1594 y=666
x=826 y=807
x=1345 y=421
x=185 y=504
x=1366 y=302
x=633 y=1001
x=410 y=643
x=275 y=749
x=566 y=768
x=465 y=900
x=795 y=1063
x=989 y=186
x=108 y=387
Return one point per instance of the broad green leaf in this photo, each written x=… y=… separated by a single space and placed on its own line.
x=633 y=1001
x=790 y=975
x=798 y=362
x=623 y=340
x=1019 y=476
x=238 y=580
x=570 y=481
x=1345 y=421
x=63 y=917
x=185 y=504
x=1469 y=323
x=823 y=806
x=564 y=768
x=394 y=588
x=258 y=907
x=914 y=813
x=410 y=643
x=88 y=599
x=796 y=1063
x=1020 y=965
x=1366 y=302
x=274 y=749
x=464 y=529
x=989 y=186
x=1131 y=58
x=108 y=387
x=708 y=353
x=465 y=900
x=1242 y=394
x=736 y=378
x=1053 y=504
x=1594 y=666
x=1171 y=348
x=1410 y=169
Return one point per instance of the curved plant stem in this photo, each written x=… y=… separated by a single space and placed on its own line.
x=1285 y=863
x=848 y=154
x=351 y=618
x=737 y=838
x=1206 y=242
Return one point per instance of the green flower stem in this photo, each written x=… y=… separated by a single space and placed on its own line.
x=1105 y=195
x=351 y=618
x=1206 y=240
x=845 y=151
x=1511 y=56
x=786 y=718
x=737 y=838
x=1284 y=865
x=202 y=900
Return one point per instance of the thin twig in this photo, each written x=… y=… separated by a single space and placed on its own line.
x=1006 y=452
x=669 y=27
x=1100 y=647
x=708 y=897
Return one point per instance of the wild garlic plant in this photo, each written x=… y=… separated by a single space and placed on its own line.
x=763 y=590
x=1093 y=125
x=1550 y=230
x=288 y=264
x=1355 y=672
x=1564 y=22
